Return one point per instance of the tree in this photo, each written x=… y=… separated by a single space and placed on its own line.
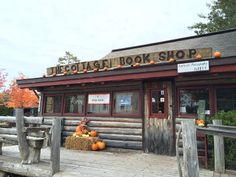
x=222 y=16
x=2 y=78
x=21 y=98
x=68 y=59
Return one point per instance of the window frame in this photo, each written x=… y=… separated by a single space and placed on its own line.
x=74 y=114
x=215 y=96
x=126 y=115
x=211 y=91
x=45 y=103
x=98 y=115
x=157 y=115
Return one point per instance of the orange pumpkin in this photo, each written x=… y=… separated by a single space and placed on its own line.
x=198 y=57
x=171 y=60
x=93 y=133
x=217 y=54
x=136 y=64
x=78 y=128
x=101 y=145
x=94 y=147
x=95 y=69
x=85 y=131
x=152 y=62
x=85 y=70
x=119 y=66
x=105 y=68
x=79 y=133
x=65 y=73
x=75 y=72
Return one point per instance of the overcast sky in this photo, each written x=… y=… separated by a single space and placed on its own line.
x=34 y=33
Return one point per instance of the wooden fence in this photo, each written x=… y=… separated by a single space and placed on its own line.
x=21 y=132
x=190 y=159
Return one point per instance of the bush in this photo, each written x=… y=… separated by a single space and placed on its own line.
x=4 y=111
x=228 y=118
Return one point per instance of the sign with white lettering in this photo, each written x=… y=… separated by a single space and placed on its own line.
x=99 y=98
x=193 y=67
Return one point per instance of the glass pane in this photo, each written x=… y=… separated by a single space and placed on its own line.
x=189 y=100
x=158 y=101
x=98 y=109
x=226 y=99
x=57 y=104
x=74 y=104
x=49 y=104
x=126 y=103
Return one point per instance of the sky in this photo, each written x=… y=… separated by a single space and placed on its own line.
x=35 y=33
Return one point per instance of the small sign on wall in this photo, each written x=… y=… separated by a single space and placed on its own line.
x=99 y=98
x=193 y=67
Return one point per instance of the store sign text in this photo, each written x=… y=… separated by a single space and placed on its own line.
x=161 y=56
x=99 y=99
x=193 y=67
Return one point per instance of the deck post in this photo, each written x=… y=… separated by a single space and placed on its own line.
x=190 y=156
x=55 y=145
x=219 y=151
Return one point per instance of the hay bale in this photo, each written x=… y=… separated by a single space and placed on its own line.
x=79 y=143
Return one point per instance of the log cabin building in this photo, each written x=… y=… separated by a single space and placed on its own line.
x=134 y=96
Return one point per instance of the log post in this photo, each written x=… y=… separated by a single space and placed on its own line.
x=219 y=151
x=55 y=145
x=190 y=156
x=21 y=135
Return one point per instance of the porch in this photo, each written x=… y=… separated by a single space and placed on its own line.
x=128 y=163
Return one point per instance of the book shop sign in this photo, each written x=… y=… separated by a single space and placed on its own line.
x=193 y=67
x=99 y=99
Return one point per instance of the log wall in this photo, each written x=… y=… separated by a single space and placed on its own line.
x=158 y=132
x=116 y=132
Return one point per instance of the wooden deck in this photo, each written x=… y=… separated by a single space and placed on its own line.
x=99 y=164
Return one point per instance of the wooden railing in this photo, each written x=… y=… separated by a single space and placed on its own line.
x=23 y=136
x=190 y=160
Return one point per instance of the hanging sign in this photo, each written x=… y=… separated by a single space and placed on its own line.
x=193 y=67
x=99 y=98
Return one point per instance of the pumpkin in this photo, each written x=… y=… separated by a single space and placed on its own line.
x=171 y=60
x=217 y=54
x=78 y=128
x=94 y=147
x=79 y=133
x=101 y=145
x=93 y=133
x=84 y=131
x=152 y=62
x=85 y=70
x=136 y=64
x=65 y=73
x=119 y=66
x=75 y=72
x=198 y=57
x=95 y=69
x=105 y=68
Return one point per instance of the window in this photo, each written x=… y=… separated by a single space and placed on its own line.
x=98 y=103
x=74 y=104
x=193 y=101
x=158 y=102
x=226 y=99
x=53 y=104
x=126 y=103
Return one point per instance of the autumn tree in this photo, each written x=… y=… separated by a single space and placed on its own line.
x=68 y=59
x=222 y=16
x=21 y=98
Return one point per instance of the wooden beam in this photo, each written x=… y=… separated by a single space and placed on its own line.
x=120 y=137
x=28 y=120
x=219 y=152
x=55 y=146
x=191 y=166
